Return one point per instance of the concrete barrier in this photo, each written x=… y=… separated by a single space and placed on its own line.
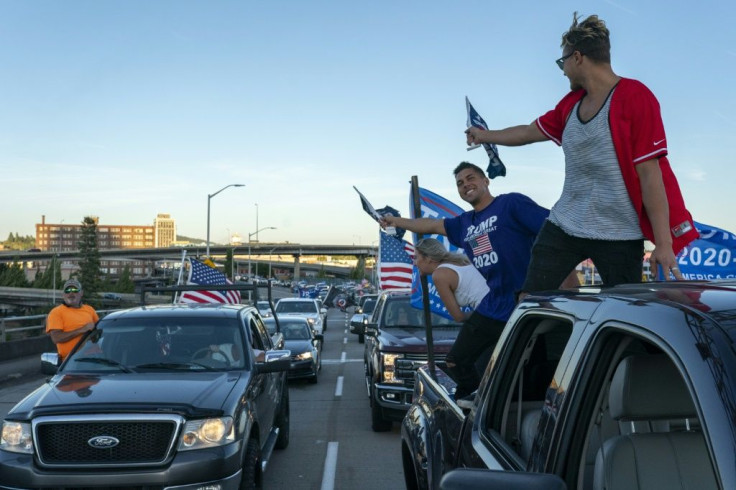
x=15 y=349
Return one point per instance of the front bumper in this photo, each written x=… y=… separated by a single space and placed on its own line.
x=302 y=369
x=393 y=399
x=188 y=470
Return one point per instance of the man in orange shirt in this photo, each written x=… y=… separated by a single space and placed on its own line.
x=68 y=322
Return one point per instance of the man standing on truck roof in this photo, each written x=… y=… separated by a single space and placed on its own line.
x=497 y=236
x=66 y=323
x=619 y=187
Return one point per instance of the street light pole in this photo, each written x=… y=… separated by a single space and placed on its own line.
x=209 y=197
x=250 y=235
x=256 y=223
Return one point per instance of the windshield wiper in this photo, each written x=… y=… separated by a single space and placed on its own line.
x=174 y=365
x=106 y=362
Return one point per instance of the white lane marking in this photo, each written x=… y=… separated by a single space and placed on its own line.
x=346 y=331
x=343 y=356
x=328 y=476
x=338 y=388
x=345 y=340
x=339 y=361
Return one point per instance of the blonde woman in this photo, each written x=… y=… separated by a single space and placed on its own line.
x=458 y=282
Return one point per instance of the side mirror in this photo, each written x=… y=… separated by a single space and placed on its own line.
x=371 y=330
x=319 y=336
x=323 y=311
x=476 y=479
x=49 y=362
x=275 y=361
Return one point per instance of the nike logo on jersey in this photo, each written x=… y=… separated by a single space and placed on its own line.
x=658 y=142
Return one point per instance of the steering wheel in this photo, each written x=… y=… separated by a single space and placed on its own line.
x=207 y=353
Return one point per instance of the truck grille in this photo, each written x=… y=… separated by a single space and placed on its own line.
x=143 y=440
x=407 y=367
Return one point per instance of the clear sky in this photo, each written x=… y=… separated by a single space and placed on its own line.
x=125 y=109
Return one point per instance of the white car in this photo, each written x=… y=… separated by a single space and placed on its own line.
x=305 y=307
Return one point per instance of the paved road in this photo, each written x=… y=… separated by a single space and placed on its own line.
x=332 y=445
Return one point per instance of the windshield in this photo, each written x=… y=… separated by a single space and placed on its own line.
x=296 y=307
x=137 y=344
x=399 y=313
x=369 y=306
x=296 y=331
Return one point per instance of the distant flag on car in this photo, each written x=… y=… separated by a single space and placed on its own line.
x=433 y=206
x=204 y=275
x=395 y=262
x=495 y=165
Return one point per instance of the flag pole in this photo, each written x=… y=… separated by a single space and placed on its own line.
x=423 y=279
x=181 y=271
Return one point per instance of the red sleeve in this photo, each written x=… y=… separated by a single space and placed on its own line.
x=553 y=122
x=648 y=139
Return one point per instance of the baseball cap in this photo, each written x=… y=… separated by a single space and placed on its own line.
x=72 y=283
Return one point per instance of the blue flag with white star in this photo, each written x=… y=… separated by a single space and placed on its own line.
x=495 y=165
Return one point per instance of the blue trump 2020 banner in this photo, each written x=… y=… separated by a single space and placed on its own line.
x=432 y=206
x=712 y=256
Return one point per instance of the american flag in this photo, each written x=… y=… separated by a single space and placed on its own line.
x=480 y=244
x=495 y=165
x=395 y=263
x=204 y=275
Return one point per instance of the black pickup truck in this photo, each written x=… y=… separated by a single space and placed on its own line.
x=156 y=397
x=395 y=347
x=629 y=387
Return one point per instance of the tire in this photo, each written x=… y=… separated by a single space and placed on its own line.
x=378 y=423
x=361 y=338
x=251 y=477
x=282 y=421
x=315 y=377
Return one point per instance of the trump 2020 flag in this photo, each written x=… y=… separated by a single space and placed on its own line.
x=495 y=165
x=395 y=262
x=433 y=206
x=712 y=256
x=204 y=275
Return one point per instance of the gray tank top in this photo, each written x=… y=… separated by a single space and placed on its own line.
x=594 y=203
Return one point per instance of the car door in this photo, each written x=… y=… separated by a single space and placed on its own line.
x=526 y=364
x=266 y=385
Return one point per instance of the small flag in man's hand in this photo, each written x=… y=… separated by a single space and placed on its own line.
x=495 y=165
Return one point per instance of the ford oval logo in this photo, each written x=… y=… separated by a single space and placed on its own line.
x=103 y=442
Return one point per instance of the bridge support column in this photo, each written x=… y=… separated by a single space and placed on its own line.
x=297 y=271
x=361 y=266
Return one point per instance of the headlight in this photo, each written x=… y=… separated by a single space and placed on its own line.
x=304 y=356
x=199 y=434
x=16 y=438
x=389 y=366
x=311 y=321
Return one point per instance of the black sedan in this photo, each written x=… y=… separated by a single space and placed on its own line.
x=305 y=347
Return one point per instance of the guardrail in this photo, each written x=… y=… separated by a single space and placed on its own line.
x=24 y=327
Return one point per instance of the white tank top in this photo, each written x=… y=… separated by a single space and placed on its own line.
x=471 y=285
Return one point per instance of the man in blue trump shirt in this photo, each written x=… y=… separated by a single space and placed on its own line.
x=497 y=236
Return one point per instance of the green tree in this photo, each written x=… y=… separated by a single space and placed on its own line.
x=229 y=263
x=322 y=274
x=89 y=263
x=125 y=283
x=13 y=275
x=50 y=277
